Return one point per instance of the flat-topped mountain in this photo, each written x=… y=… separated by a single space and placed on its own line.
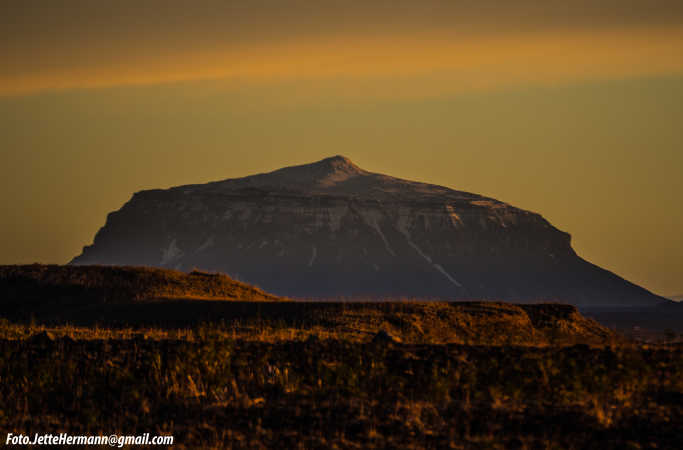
x=330 y=229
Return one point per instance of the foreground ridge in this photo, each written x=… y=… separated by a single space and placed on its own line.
x=87 y=295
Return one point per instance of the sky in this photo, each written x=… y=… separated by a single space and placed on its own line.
x=572 y=109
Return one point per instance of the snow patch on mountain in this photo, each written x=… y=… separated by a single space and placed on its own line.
x=447 y=275
x=372 y=218
x=208 y=243
x=419 y=251
x=335 y=215
x=438 y=267
x=170 y=253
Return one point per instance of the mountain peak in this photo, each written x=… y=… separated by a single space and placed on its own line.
x=331 y=171
x=339 y=162
x=324 y=174
x=335 y=175
x=334 y=164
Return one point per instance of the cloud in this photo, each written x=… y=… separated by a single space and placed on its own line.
x=465 y=60
x=66 y=44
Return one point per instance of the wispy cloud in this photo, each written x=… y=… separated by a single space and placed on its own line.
x=72 y=44
x=459 y=62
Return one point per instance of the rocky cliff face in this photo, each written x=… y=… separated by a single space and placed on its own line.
x=332 y=229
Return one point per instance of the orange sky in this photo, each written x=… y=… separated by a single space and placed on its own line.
x=474 y=60
x=81 y=44
x=547 y=105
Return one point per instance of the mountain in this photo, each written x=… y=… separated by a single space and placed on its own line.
x=330 y=229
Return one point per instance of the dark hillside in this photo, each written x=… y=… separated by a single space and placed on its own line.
x=35 y=289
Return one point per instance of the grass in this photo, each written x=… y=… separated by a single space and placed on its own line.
x=411 y=322
x=284 y=374
x=213 y=391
